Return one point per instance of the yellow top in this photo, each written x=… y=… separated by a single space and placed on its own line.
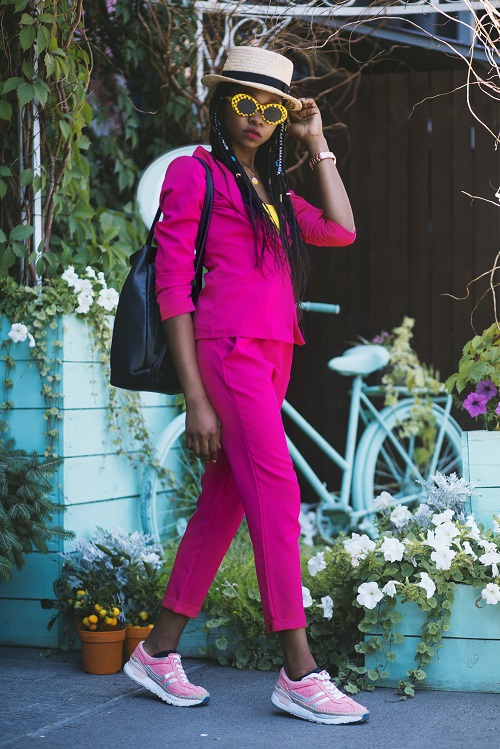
x=273 y=213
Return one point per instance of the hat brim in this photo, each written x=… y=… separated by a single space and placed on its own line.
x=212 y=80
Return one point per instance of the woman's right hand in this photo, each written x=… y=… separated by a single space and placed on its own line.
x=203 y=430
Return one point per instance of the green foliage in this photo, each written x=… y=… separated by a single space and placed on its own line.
x=480 y=363
x=26 y=513
x=108 y=85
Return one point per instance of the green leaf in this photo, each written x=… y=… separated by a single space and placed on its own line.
x=3 y=236
x=11 y=83
x=25 y=93
x=3 y=188
x=5 y=110
x=41 y=91
x=27 y=37
x=20 y=232
x=26 y=177
x=65 y=129
x=398 y=638
x=221 y=643
x=28 y=70
x=5 y=171
x=26 y=20
x=372 y=675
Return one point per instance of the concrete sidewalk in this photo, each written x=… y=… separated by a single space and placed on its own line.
x=48 y=701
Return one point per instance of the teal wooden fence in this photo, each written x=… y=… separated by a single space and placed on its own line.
x=481 y=459
x=98 y=486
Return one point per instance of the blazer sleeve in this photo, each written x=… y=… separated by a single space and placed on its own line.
x=181 y=200
x=318 y=230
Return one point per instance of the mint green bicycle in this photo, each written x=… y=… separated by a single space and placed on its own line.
x=380 y=455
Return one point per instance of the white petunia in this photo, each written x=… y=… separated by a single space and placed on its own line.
x=443 y=517
x=469 y=550
x=400 y=516
x=306 y=597
x=358 y=547
x=316 y=564
x=83 y=285
x=443 y=556
x=108 y=298
x=70 y=276
x=32 y=342
x=383 y=501
x=491 y=557
x=100 y=279
x=389 y=588
x=491 y=593
x=392 y=549
x=327 y=606
x=151 y=558
x=308 y=528
x=84 y=303
x=475 y=533
x=446 y=532
x=18 y=332
x=90 y=272
x=423 y=511
x=369 y=594
x=496 y=526
x=427 y=584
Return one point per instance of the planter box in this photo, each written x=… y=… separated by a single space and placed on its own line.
x=98 y=486
x=195 y=643
x=481 y=459
x=469 y=660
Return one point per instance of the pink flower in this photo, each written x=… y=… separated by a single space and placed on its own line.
x=487 y=388
x=475 y=404
x=497 y=409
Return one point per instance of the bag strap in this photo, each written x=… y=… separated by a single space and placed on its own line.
x=202 y=230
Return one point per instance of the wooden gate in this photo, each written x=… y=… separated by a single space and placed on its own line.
x=409 y=149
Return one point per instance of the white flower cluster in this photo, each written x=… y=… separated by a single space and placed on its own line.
x=85 y=292
x=447 y=538
x=19 y=333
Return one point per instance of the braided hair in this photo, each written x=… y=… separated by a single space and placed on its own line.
x=269 y=162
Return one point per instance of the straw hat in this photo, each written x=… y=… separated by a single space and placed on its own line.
x=257 y=68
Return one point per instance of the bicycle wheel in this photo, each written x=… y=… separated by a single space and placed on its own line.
x=389 y=463
x=168 y=502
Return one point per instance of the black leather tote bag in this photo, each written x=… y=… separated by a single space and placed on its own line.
x=140 y=358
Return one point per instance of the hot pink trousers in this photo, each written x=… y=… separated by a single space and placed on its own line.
x=245 y=380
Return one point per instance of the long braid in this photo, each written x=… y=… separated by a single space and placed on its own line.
x=269 y=161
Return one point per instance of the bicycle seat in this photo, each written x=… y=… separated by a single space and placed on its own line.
x=360 y=360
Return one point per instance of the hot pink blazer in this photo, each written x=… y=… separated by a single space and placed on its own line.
x=238 y=299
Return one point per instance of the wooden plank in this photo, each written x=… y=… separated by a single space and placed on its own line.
x=35 y=579
x=23 y=623
x=419 y=211
x=26 y=427
x=441 y=217
x=93 y=478
x=85 y=518
x=467 y=620
x=483 y=458
x=460 y=666
x=86 y=430
x=485 y=503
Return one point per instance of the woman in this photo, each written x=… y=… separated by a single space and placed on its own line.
x=233 y=356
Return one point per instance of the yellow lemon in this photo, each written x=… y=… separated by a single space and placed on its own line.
x=97 y=607
x=86 y=621
x=80 y=593
x=93 y=619
x=151 y=626
x=116 y=611
x=93 y=627
x=143 y=615
x=103 y=613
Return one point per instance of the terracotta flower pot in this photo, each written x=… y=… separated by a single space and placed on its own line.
x=102 y=651
x=133 y=636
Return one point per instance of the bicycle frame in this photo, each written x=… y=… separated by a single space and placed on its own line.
x=360 y=408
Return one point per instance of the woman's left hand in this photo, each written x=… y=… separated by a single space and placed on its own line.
x=306 y=124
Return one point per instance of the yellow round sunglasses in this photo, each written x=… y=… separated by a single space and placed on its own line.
x=245 y=105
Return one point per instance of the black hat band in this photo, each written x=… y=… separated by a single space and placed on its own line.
x=265 y=80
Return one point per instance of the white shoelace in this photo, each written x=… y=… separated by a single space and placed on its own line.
x=326 y=682
x=179 y=669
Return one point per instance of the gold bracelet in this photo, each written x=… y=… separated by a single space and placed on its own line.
x=320 y=156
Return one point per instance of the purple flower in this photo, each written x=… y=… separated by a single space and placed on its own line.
x=497 y=409
x=475 y=404
x=487 y=388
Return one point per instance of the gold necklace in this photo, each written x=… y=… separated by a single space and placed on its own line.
x=253 y=178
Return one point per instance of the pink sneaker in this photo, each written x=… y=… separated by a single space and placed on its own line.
x=164 y=677
x=316 y=698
